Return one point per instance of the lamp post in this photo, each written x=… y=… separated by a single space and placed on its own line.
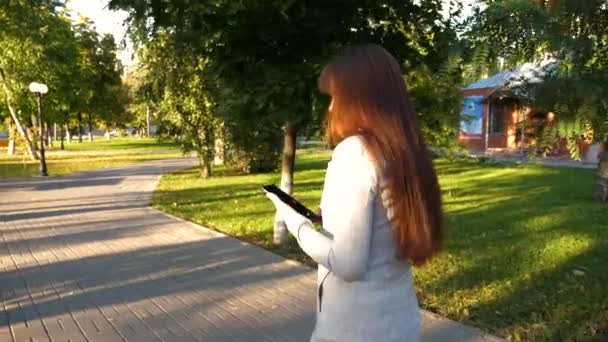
x=40 y=89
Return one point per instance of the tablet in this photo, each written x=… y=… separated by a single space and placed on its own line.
x=292 y=202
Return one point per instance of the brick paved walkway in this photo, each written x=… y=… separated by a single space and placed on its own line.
x=83 y=258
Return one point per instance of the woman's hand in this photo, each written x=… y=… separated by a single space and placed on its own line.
x=279 y=205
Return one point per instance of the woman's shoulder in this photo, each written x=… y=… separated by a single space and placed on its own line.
x=353 y=146
x=352 y=153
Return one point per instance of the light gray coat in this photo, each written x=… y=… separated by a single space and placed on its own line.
x=364 y=292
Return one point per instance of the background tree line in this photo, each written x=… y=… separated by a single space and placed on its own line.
x=41 y=43
x=246 y=71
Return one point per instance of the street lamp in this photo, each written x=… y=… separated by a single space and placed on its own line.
x=40 y=89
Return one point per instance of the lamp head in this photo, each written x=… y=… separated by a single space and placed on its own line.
x=39 y=88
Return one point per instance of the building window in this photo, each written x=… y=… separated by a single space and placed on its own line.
x=498 y=112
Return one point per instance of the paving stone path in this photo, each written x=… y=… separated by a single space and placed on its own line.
x=84 y=258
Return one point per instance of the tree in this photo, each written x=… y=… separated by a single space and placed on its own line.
x=138 y=98
x=40 y=44
x=88 y=44
x=60 y=72
x=100 y=91
x=24 y=26
x=263 y=58
x=108 y=100
x=435 y=88
x=174 y=83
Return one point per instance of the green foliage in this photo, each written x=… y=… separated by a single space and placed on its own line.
x=548 y=139
x=573 y=148
x=577 y=99
x=263 y=58
x=437 y=98
x=80 y=69
x=260 y=157
x=34 y=37
x=90 y=156
x=100 y=92
x=509 y=29
x=177 y=87
x=140 y=101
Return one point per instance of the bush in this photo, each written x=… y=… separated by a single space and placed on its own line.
x=254 y=151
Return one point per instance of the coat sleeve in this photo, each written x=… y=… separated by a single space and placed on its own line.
x=349 y=197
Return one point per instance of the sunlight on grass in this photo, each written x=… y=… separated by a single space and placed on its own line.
x=132 y=144
x=525 y=256
x=563 y=248
x=88 y=156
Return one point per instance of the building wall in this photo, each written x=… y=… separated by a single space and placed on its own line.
x=505 y=140
x=511 y=129
x=476 y=142
x=472 y=143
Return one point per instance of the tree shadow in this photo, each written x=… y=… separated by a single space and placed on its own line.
x=100 y=177
x=79 y=252
x=199 y=276
x=517 y=239
x=567 y=302
x=71 y=211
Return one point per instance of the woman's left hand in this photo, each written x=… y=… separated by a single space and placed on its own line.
x=293 y=220
x=278 y=204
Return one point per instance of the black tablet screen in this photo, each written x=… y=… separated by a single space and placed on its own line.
x=292 y=202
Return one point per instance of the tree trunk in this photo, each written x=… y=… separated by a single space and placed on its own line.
x=28 y=143
x=11 y=140
x=220 y=148
x=147 y=121
x=79 y=127
x=54 y=131
x=205 y=165
x=31 y=131
x=68 y=135
x=553 y=7
x=11 y=147
x=107 y=135
x=61 y=136
x=90 y=127
x=600 y=190
x=539 y=3
x=48 y=135
x=205 y=136
x=289 y=157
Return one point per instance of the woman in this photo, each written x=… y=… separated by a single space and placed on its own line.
x=381 y=204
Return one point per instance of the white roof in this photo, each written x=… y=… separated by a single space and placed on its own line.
x=529 y=72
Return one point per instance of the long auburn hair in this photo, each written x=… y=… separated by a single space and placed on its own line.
x=370 y=100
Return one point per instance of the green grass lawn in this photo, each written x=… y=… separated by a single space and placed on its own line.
x=526 y=255
x=132 y=145
x=84 y=156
